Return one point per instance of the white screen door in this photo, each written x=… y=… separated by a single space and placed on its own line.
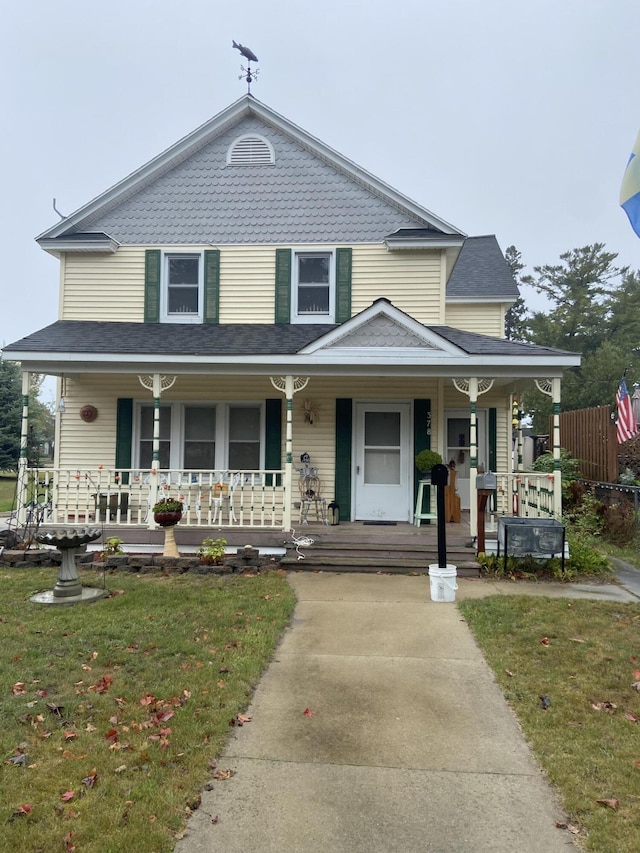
x=382 y=455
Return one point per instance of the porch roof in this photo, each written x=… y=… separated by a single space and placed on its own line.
x=98 y=346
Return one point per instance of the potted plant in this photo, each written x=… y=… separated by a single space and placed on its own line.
x=167 y=512
x=425 y=460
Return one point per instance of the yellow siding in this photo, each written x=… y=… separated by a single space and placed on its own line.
x=410 y=280
x=104 y=287
x=484 y=319
x=111 y=287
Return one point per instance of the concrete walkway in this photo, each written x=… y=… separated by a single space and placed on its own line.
x=410 y=746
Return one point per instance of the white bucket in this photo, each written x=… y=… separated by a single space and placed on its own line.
x=443 y=583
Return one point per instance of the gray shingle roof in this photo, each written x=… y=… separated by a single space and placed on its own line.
x=241 y=339
x=189 y=195
x=481 y=271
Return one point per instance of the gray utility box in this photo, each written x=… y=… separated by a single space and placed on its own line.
x=539 y=537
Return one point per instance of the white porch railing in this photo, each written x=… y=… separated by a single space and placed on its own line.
x=527 y=495
x=125 y=497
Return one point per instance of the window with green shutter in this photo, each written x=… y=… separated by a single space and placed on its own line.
x=182 y=287
x=313 y=286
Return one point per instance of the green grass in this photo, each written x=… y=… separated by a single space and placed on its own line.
x=136 y=691
x=7 y=492
x=592 y=658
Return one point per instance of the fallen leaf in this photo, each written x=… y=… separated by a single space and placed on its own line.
x=636 y=685
x=609 y=707
x=18 y=688
x=89 y=728
x=69 y=846
x=545 y=702
x=55 y=708
x=509 y=673
x=611 y=803
x=222 y=775
x=111 y=735
x=25 y=808
x=631 y=718
x=120 y=769
x=242 y=718
x=69 y=734
x=578 y=640
x=544 y=641
x=68 y=795
x=91 y=778
x=636 y=674
x=308 y=712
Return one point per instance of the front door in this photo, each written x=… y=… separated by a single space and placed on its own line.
x=382 y=462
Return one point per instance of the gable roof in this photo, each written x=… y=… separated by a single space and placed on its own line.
x=179 y=196
x=481 y=269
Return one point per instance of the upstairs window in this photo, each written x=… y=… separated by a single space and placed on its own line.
x=314 y=287
x=183 y=288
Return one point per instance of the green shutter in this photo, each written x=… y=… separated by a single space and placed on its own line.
x=421 y=435
x=212 y=286
x=344 y=430
x=343 y=285
x=273 y=439
x=124 y=434
x=152 y=286
x=283 y=286
x=493 y=440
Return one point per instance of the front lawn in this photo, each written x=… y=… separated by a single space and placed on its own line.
x=571 y=672
x=113 y=713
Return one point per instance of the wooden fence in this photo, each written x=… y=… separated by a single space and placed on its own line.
x=590 y=436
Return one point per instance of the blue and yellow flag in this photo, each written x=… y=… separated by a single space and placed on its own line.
x=630 y=189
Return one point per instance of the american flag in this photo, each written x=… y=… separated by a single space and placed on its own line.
x=626 y=423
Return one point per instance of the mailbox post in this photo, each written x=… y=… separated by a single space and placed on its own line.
x=485 y=484
x=439 y=479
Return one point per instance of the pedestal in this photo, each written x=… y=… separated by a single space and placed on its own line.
x=170 y=547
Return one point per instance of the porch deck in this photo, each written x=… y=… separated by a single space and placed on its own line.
x=349 y=546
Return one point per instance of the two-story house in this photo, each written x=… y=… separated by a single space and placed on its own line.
x=250 y=295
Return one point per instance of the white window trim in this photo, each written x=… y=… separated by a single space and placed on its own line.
x=320 y=317
x=178 y=432
x=165 y=317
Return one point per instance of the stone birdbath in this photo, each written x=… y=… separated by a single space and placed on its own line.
x=68 y=589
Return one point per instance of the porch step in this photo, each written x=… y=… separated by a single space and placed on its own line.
x=374 y=556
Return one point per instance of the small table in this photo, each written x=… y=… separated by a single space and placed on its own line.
x=419 y=515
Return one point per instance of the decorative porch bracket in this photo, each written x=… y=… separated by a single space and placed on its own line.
x=551 y=387
x=288 y=385
x=156 y=383
x=473 y=388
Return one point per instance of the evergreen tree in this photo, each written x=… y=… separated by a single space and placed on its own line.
x=10 y=414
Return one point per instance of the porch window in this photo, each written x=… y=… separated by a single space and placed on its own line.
x=203 y=437
x=313 y=292
x=244 y=438
x=199 y=437
x=146 y=436
x=183 y=288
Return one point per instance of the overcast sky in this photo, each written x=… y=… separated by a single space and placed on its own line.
x=506 y=117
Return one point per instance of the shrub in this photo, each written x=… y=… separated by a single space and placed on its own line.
x=211 y=552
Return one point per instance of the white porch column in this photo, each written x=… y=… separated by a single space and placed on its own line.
x=156 y=383
x=289 y=385
x=473 y=388
x=473 y=456
x=551 y=387
x=557 y=473
x=23 y=459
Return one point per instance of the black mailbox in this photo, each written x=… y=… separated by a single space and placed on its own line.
x=439 y=475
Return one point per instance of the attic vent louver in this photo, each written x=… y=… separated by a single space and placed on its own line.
x=250 y=150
